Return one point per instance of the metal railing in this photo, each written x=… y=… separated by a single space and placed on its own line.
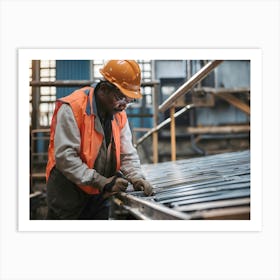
x=170 y=104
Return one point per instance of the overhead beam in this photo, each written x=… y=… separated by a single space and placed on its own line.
x=235 y=102
x=67 y=83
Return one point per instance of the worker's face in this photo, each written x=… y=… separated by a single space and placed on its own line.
x=116 y=101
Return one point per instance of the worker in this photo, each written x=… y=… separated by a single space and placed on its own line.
x=91 y=156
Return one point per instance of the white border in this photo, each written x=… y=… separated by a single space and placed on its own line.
x=24 y=57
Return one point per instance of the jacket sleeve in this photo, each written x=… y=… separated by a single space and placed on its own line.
x=130 y=162
x=67 y=149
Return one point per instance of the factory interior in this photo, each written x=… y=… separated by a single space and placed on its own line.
x=191 y=130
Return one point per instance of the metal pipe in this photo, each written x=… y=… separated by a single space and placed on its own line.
x=179 y=92
x=200 y=188
x=206 y=192
x=189 y=84
x=164 y=123
x=35 y=95
x=151 y=209
x=215 y=197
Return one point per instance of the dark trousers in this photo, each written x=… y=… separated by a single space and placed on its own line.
x=66 y=201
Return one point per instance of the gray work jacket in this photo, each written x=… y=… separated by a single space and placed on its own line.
x=67 y=150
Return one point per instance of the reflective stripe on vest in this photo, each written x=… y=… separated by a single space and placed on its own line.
x=91 y=140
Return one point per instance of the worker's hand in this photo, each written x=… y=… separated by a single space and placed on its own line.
x=116 y=185
x=120 y=185
x=140 y=184
x=100 y=181
x=110 y=185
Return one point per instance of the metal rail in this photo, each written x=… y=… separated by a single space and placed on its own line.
x=187 y=86
x=149 y=210
x=163 y=124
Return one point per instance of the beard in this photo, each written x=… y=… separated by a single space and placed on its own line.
x=119 y=108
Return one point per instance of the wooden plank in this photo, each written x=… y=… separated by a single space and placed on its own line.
x=173 y=133
x=140 y=129
x=244 y=90
x=155 y=147
x=218 y=129
x=156 y=94
x=235 y=102
x=47 y=130
x=38 y=175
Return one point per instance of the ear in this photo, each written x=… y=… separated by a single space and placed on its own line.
x=102 y=89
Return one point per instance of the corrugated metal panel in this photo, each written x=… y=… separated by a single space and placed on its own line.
x=220 y=115
x=233 y=74
x=138 y=122
x=71 y=70
x=146 y=122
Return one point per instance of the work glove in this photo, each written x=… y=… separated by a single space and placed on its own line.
x=140 y=184
x=116 y=185
x=110 y=185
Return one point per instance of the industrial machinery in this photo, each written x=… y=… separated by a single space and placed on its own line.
x=210 y=187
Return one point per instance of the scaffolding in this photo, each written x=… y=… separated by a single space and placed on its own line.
x=192 y=86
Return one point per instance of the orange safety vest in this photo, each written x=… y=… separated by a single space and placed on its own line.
x=91 y=140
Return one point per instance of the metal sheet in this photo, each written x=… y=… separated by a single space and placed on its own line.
x=183 y=188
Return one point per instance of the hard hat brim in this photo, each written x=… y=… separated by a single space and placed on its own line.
x=130 y=88
x=129 y=93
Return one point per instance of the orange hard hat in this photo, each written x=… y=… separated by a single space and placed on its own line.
x=125 y=75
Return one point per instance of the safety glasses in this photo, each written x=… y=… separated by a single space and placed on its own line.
x=119 y=97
